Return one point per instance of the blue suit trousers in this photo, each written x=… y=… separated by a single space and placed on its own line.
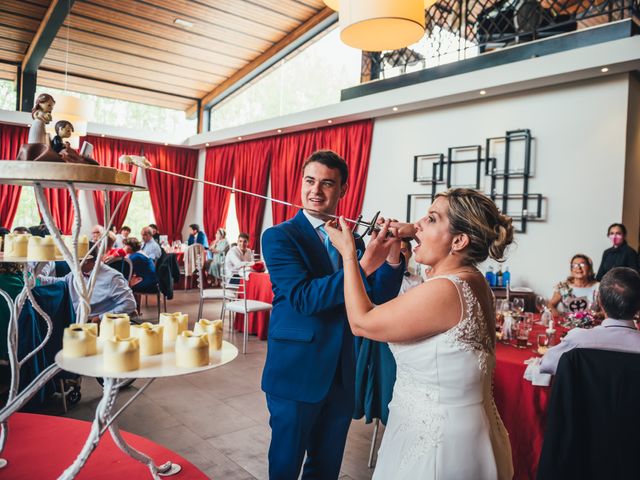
x=317 y=429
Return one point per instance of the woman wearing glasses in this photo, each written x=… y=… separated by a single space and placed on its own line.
x=578 y=291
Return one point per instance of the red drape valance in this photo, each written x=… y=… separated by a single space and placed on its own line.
x=11 y=137
x=252 y=164
x=170 y=195
x=107 y=151
x=219 y=168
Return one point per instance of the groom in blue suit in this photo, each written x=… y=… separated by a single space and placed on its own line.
x=308 y=375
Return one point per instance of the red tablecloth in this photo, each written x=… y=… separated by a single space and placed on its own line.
x=257 y=288
x=522 y=406
x=43 y=446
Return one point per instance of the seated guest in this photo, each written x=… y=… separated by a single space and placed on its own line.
x=144 y=278
x=96 y=234
x=154 y=232
x=39 y=230
x=112 y=251
x=578 y=291
x=218 y=250
x=149 y=246
x=111 y=293
x=238 y=257
x=120 y=237
x=21 y=230
x=620 y=254
x=620 y=300
x=410 y=279
x=4 y=231
x=197 y=236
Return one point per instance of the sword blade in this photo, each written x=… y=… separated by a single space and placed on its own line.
x=264 y=197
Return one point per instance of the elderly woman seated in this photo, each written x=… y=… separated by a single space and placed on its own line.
x=218 y=249
x=578 y=291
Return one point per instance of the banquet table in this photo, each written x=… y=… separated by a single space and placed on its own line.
x=522 y=406
x=258 y=287
x=42 y=446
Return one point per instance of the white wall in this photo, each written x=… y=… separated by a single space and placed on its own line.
x=579 y=158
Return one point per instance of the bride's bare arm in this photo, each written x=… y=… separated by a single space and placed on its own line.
x=424 y=311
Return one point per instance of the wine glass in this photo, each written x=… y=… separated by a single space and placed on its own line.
x=541 y=303
x=518 y=305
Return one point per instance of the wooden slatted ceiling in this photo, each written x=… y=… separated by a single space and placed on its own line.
x=133 y=50
x=18 y=23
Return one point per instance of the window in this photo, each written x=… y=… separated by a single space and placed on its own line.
x=7 y=95
x=140 y=213
x=27 y=214
x=120 y=113
x=311 y=77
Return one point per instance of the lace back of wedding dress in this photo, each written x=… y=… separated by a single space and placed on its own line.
x=474 y=333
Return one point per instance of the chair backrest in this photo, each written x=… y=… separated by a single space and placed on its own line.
x=193 y=252
x=122 y=265
x=593 y=417
x=232 y=291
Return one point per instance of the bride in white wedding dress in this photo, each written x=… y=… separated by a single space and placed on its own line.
x=443 y=423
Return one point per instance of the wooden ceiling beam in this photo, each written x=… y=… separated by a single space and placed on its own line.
x=325 y=18
x=51 y=22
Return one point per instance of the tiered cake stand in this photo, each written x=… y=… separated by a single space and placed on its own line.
x=74 y=177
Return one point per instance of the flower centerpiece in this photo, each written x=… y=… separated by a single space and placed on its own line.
x=580 y=319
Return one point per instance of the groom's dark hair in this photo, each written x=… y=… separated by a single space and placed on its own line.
x=330 y=159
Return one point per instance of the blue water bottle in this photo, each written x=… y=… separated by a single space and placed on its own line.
x=506 y=277
x=491 y=277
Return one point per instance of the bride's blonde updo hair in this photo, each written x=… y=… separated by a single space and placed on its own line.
x=476 y=215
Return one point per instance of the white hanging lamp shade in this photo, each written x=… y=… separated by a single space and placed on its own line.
x=75 y=110
x=335 y=4
x=332 y=4
x=376 y=25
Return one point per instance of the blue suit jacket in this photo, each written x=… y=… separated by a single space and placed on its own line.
x=308 y=330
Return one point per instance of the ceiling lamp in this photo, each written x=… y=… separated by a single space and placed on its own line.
x=72 y=109
x=335 y=4
x=376 y=25
x=75 y=110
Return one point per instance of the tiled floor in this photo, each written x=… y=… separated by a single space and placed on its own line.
x=218 y=420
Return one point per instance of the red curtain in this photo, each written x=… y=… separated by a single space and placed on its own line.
x=252 y=163
x=289 y=153
x=170 y=195
x=107 y=151
x=352 y=142
x=11 y=137
x=61 y=207
x=218 y=169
